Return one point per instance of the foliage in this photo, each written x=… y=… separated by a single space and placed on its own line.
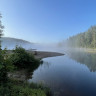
x=1 y=30
x=86 y=39
x=19 y=88
x=5 y=66
x=23 y=59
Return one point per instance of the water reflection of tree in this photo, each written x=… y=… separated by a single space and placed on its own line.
x=46 y=64
x=24 y=74
x=89 y=59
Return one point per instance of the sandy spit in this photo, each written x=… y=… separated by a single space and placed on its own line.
x=44 y=54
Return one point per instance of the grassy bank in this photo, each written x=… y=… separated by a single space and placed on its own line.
x=20 y=88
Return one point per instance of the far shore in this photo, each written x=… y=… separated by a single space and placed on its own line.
x=89 y=50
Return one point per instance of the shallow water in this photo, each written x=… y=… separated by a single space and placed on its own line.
x=73 y=74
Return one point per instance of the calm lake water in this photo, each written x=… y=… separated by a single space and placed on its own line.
x=73 y=74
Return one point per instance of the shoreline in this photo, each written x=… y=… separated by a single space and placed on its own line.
x=89 y=50
x=45 y=54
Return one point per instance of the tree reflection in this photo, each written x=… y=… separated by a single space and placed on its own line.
x=24 y=74
x=89 y=59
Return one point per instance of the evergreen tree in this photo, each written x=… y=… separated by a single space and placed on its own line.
x=1 y=30
x=86 y=39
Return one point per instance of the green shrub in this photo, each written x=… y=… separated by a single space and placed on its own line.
x=19 y=88
x=22 y=59
x=20 y=91
x=5 y=66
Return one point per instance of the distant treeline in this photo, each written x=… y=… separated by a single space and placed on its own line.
x=86 y=39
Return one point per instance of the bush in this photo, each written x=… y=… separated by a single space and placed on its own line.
x=19 y=88
x=22 y=59
x=5 y=66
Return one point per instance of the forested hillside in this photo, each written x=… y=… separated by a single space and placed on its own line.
x=86 y=39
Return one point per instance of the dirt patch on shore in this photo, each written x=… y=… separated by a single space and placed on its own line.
x=43 y=54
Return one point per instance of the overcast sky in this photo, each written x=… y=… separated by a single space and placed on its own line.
x=47 y=21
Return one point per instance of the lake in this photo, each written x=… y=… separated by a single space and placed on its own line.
x=73 y=74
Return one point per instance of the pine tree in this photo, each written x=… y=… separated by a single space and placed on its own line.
x=1 y=30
